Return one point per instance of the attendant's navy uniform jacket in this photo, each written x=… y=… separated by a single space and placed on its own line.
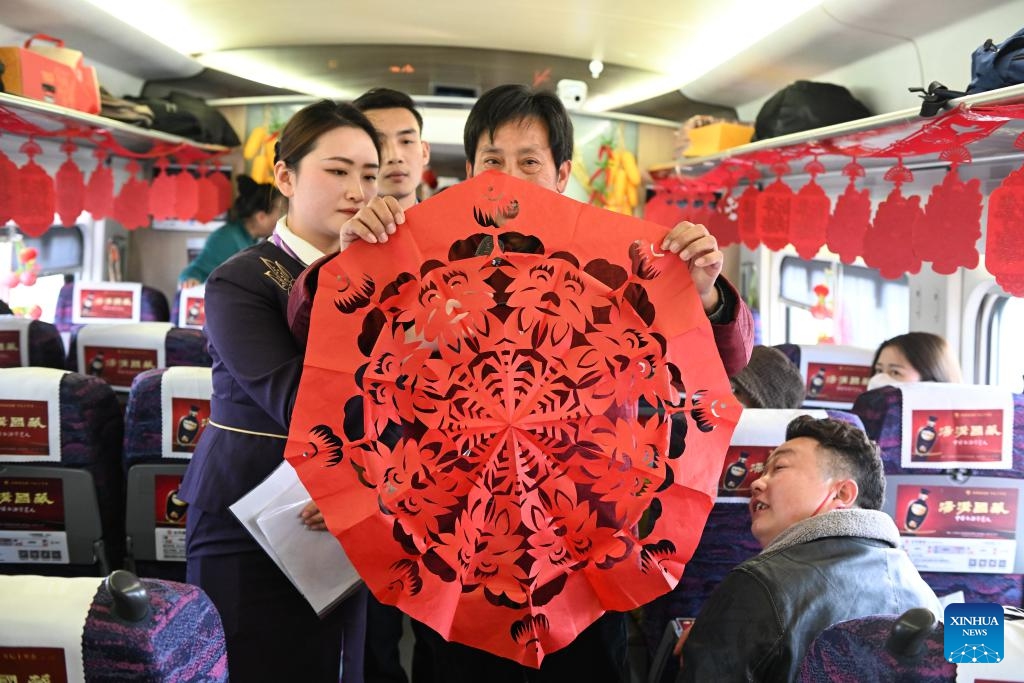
x=272 y=632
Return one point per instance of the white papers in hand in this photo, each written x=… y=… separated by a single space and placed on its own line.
x=314 y=561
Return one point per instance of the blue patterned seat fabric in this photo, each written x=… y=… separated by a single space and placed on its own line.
x=854 y=652
x=182 y=639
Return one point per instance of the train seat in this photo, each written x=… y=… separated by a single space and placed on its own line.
x=115 y=629
x=30 y=343
x=833 y=375
x=118 y=353
x=908 y=647
x=954 y=452
x=726 y=541
x=153 y=307
x=166 y=413
x=60 y=470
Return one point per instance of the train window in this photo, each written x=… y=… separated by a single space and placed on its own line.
x=1006 y=328
x=855 y=294
x=60 y=251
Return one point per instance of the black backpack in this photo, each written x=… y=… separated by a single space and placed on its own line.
x=997 y=66
x=805 y=105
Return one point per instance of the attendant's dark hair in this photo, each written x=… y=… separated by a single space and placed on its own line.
x=928 y=353
x=516 y=103
x=299 y=136
x=386 y=98
x=850 y=454
x=253 y=197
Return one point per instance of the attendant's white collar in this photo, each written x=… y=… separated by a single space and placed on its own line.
x=299 y=247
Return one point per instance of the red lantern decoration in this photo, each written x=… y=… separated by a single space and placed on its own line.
x=746 y=215
x=206 y=196
x=131 y=207
x=850 y=219
x=186 y=196
x=162 y=193
x=949 y=233
x=663 y=208
x=773 y=209
x=888 y=245
x=70 y=188
x=1004 y=243
x=724 y=224
x=8 y=192
x=99 y=192
x=809 y=214
x=33 y=212
x=224 y=191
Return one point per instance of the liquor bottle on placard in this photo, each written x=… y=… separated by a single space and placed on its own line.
x=736 y=473
x=193 y=312
x=188 y=426
x=916 y=511
x=926 y=436
x=175 y=508
x=817 y=383
x=87 y=302
x=96 y=365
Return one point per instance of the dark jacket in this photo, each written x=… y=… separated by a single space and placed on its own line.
x=759 y=622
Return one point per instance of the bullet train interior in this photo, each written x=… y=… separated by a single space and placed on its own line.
x=630 y=74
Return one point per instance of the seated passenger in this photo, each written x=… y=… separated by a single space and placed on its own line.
x=253 y=216
x=770 y=380
x=914 y=357
x=829 y=555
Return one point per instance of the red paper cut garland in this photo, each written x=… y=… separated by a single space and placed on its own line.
x=70 y=188
x=888 y=245
x=1004 y=243
x=773 y=209
x=809 y=214
x=35 y=205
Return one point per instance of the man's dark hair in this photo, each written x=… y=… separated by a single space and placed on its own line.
x=386 y=98
x=514 y=103
x=850 y=454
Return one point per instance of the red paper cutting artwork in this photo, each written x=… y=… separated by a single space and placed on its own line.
x=99 y=191
x=8 y=192
x=888 y=244
x=469 y=419
x=69 y=188
x=224 y=191
x=131 y=207
x=186 y=196
x=809 y=214
x=850 y=219
x=207 y=196
x=1004 y=241
x=746 y=216
x=162 y=193
x=773 y=210
x=663 y=209
x=33 y=210
x=949 y=231
x=724 y=221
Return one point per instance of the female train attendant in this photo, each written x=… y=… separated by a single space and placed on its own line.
x=328 y=158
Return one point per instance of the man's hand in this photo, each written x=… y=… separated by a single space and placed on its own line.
x=312 y=517
x=699 y=249
x=374 y=222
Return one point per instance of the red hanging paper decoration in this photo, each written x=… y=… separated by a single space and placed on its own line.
x=949 y=232
x=186 y=196
x=8 y=189
x=663 y=208
x=162 y=193
x=809 y=214
x=1004 y=241
x=207 y=196
x=131 y=207
x=888 y=245
x=99 y=192
x=724 y=223
x=70 y=188
x=851 y=218
x=746 y=214
x=224 y=191
x=773 y=209
x=703 y=206
x=504 y=515
x=36 y=203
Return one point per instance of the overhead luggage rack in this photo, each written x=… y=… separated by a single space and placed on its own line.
x=974 y=129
